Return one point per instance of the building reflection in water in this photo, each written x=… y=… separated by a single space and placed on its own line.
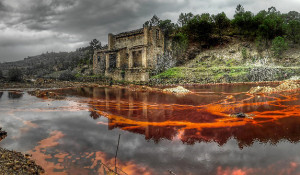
x=195 y=118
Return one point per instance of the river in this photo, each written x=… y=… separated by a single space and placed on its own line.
x=159 y=133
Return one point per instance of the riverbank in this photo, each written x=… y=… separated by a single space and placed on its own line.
x=220 y=74
x=12 y=162
x=55 y=84
x=46 y=84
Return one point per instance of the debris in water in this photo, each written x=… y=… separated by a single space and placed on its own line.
x=241 y=115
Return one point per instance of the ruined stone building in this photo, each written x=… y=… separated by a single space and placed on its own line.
x=130 y=56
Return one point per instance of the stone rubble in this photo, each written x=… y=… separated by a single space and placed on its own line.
x=12 y=162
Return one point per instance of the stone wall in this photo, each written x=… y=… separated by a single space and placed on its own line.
x=129 y=42
x=136 y=54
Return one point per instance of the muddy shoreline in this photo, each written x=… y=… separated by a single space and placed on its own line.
x=52 y=85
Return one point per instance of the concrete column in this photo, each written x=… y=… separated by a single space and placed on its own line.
x=130 y=59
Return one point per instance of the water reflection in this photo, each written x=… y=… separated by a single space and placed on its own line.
x=189 y=134
x=1 y=93
x=200 y=117
x=15 y=95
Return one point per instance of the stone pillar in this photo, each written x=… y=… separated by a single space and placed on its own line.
x=130 y=59
x=144 y=57
x=146 y=35
x=118 y=59
x=110 y=41
x=107 y=61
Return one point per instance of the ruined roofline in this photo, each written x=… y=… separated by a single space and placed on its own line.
x=137 y=47
x=130 y=33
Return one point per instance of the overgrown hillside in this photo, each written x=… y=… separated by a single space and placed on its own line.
x=236 y=61
x=249 y=47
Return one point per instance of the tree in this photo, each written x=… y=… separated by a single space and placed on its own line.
x=15 y=75
x=243 y=20
x=206 y=17
x=278 y=46
x=95 y=44
x=293 y=31
x=154 y=21
x=1 y=74
x=199 y=30
x=221 y=23
x=272 y=26
x=167 y=27
x=184 y=18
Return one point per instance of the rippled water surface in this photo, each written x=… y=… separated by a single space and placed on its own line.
x=160 y=133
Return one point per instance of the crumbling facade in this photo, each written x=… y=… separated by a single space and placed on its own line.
x=130 y=56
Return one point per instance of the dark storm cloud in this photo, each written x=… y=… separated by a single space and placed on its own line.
x=70 y=24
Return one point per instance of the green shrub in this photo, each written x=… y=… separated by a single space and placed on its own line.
x=279 y=46
x=15 y=75
x=66 y=76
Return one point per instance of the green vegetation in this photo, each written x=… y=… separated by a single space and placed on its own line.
x=278 y=46
x=183 y=75
x=203 y=28
x=67 y=76
x=15 y=75
x=268 y=29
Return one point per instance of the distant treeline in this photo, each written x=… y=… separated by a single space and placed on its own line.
x=208 y=29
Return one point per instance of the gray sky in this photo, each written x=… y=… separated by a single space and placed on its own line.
x=32 y=27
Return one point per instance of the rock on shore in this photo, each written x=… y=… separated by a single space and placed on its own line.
x=3 y=134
